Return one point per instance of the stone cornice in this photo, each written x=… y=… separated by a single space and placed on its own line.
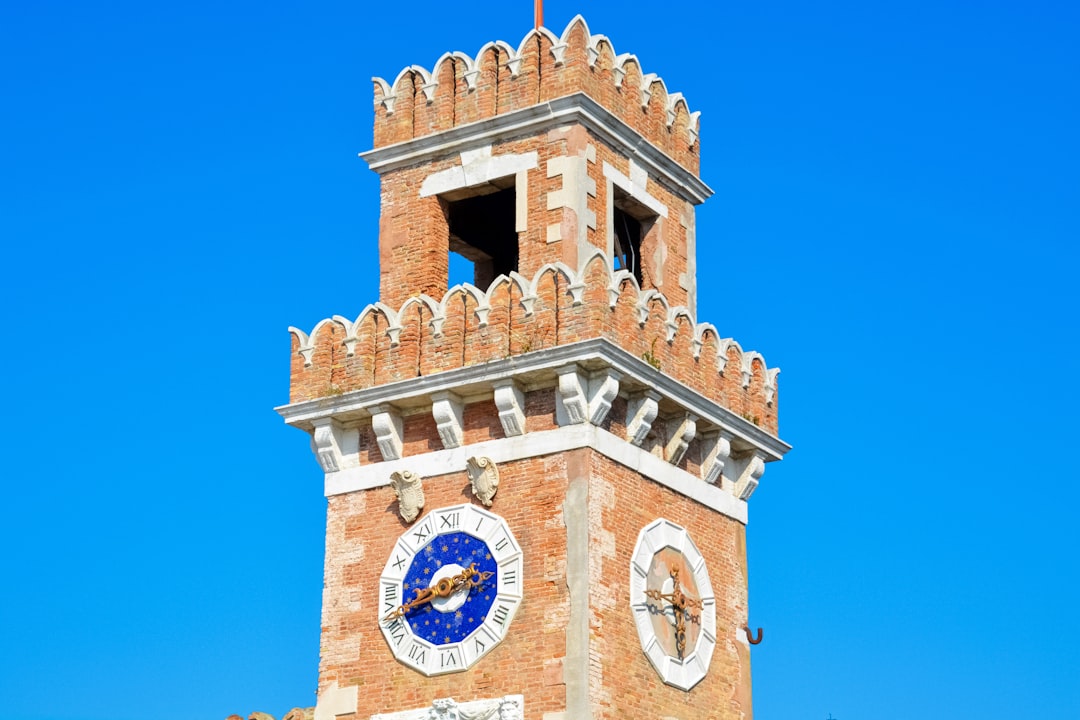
x=536 y=370
x=575 y=108
x=546 y=442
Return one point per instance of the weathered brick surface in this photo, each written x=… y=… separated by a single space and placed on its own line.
x=623 y=683
x=363 y=526
x=361 y=530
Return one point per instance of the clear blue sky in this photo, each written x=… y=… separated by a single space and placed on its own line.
x=895 y=225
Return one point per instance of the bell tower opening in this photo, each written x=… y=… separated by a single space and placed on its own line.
x=483 y=236
x=631 y=222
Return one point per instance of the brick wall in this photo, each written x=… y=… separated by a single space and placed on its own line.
x=362 y=528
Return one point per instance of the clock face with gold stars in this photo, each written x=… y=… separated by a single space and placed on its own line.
x=450 y=589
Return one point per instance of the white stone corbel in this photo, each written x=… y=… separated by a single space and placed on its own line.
x=680 y=431
x=715 y=453
x=386 y=422
x=613 y=293
x=571 y=404
x=510 y=401
x=514 y=66
x=470 y=78
x=577 y=293
x=394 y=333
x=447 y=408
x=429 y=90
x=558 y=51
x=641 y=411
x=528 y=303
x=750 y=475
x=603 y=389
x=436 y=324
x=646 y=89
x=335 y=446
x=482 y=310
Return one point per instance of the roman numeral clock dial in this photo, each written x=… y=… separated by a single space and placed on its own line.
x=450 y=589
x=673 y=604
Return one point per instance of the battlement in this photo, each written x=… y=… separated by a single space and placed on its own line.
x=462 y=89
x=516 y=316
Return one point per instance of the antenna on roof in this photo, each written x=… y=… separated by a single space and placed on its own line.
x=538 y=13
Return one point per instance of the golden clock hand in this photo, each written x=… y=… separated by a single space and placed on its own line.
x=445 y=587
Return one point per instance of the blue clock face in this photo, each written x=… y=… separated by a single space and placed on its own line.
x=450 y=589
x=450 y=554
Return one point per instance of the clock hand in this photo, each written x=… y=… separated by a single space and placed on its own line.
x=467 y=579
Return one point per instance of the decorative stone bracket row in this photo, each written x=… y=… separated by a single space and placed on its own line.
x=584 y=393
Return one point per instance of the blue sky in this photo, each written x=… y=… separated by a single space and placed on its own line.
x=895 y=225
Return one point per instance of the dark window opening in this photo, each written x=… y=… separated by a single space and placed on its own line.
x=482 y=231
x=632 y=222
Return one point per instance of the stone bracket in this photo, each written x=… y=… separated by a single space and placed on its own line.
x=582 y=398
x=335 y=446
x=603 y=389
x=680 y=431
x=715 y=453
x=447 y=408
x=510 y=400
x=571 y=405
x=749 y=475
x=386 y=422
x=641 y=411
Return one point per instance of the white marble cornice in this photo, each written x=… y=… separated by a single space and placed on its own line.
x=575 y=108
x=532 y=371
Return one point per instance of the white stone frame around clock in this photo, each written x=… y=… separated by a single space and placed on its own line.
x=419 y=654
x=688 y=672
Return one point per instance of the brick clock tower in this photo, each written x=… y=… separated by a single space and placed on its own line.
x=536 y=481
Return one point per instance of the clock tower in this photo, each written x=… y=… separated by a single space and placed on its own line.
x=536 y=480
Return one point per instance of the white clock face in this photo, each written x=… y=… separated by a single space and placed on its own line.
x=450 y=589
x=673 y=604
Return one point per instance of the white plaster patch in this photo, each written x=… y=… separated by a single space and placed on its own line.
x=576 y=188
x=334 y=701
x=478 y=166
x=635 y=186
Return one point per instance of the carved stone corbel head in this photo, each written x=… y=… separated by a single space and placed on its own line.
x=409 y=488
x=484 y=476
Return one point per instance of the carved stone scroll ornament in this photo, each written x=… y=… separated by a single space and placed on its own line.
x=484 y=476
x=409 y=488
x=510 y=707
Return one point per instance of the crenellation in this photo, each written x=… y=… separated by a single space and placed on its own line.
x=469 y=327
x=460 y=89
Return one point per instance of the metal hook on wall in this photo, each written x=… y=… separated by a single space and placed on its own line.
x=750 y=635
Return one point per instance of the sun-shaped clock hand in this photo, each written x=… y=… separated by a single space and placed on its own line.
x=464 y=581
x=680 y=604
